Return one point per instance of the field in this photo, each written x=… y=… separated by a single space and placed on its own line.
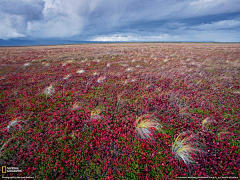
x=121 y=111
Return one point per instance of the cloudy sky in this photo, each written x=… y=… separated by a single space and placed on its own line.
x=121 y=20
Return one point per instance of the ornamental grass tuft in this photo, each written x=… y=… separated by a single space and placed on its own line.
x=48 y=91
x=13 y=124
x=101 y=79
x=185 y=147
x=146 y=125
x=80 y=71
x=207 y=122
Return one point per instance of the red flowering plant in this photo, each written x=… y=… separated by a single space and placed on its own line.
x=119 y=111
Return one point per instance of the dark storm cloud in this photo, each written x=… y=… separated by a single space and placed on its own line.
x=142 y=20
x=15 y=15
x=30 y=11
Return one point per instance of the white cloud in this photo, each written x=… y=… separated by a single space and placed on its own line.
x=7 y=32
x=102 y=19
x=61 y=19
x=62 y=26
x=226 y=24
x=15 y=15
x=210 y=7
x=135 y=37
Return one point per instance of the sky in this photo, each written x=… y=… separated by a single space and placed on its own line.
x=121 y=20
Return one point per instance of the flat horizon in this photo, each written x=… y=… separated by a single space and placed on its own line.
x=23 y=43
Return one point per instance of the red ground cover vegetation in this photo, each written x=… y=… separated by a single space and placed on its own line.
x=120 y=111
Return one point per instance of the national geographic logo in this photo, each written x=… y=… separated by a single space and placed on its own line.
x=6 y=169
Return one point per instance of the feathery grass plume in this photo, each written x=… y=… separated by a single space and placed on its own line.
x=45 y=64
x=76 y=106
x=206 y=123
x=67 y=76
x=146 y=125
x=129 y=69
x=121 y=101
x=15 y=92
x=133 y=80
x=183 y=111
x=73 y=135
x=49 y=90
x=94 y=118
x=64 y=64
x=2 y=77
x=101 y=79
x=96 y=60
x=13 y=123
x=124 y=65
x=236 y=92
x=95 y=73
x=200 y=81
x=185 y=146
x=150 y=86
x=26 y=65
x=95 y=114
x=126 y=81
x=69 y=61
x=80 y=71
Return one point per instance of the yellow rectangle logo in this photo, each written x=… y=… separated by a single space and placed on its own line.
x=4 y=169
